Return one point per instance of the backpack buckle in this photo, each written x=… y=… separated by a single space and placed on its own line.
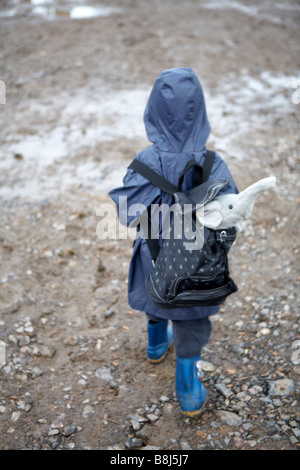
x=223 y=236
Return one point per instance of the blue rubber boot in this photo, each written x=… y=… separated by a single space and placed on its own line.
x=190 y=391
x=160 y=337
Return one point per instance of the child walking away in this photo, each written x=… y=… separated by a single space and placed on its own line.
x=178 y=128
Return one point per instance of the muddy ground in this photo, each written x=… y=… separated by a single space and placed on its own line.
x=74 y=374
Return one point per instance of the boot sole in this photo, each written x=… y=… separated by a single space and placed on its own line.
x=194 y=414
x=161 y=358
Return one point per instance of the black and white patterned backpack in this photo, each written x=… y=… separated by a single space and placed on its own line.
x=189 y=271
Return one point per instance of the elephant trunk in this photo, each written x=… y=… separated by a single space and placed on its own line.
x=248 y=196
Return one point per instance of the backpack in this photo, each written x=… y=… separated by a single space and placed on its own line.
x=184 y=277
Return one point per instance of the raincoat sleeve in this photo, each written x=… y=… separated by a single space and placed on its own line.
x=133 y=198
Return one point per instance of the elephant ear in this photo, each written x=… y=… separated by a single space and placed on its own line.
x=210 y=216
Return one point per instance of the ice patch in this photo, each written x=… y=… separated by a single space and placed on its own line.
x=59 y=141
x=277 y=13
x=246 y=104
x=226 y=4
x=91 y=12
x=53 y=9
x=48 y=157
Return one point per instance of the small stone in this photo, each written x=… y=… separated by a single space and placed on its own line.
x=214 y=424
x=53 y=432
x=169 y=409
x=104 y=373
x=133 y=443
x=152 y=417
x=71 y=341
x=28 y=329
x=224 y=390
x=207 y=366
x=265 y=312
x=281 y=387
x=36 y=372
x=47 y=351
x=15 y=416
x=247 y=426
x=265 y=331
x=185 y=445
x=21 y=404
x=255 y=390
x=238 y=442
x=13 y=339
x=252 y=443
x=136 y=426
x=277 y=402
x=88 y=410
x=271 y=423
x=164 y=399
x=68 y=430
x=229 y=418
x=82 y=382
x=231 y=370
x=150 y=447
x=276 y=437
x=109 y=312
x=23 y=340
x=47 y=254
x=70 y=445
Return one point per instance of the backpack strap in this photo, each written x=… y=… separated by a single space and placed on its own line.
x=152 y=243
x=201 y=172
x=208 y=164
x=161 y=183
x=152 y=176
x=201 y=175
x=198 y=177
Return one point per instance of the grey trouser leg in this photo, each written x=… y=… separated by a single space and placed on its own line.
x=190 y=336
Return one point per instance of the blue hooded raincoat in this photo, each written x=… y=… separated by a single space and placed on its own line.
x=176 y=123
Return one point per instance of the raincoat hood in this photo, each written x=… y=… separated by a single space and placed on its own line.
x=175 y=116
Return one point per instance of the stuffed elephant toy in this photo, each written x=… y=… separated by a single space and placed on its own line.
x=228 y=210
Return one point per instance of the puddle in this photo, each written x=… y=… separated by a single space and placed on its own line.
x=246 y=104
x=49 y=154
x=49 y=159
x=55 y=9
